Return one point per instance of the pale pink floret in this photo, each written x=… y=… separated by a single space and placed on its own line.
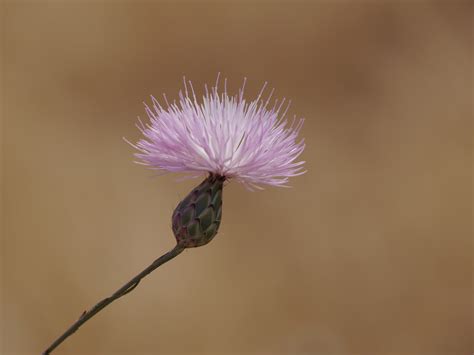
x=224 y=135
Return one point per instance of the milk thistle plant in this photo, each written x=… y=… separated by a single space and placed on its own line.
x=222 y=137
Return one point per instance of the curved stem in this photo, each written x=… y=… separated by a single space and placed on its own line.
x=128 y=287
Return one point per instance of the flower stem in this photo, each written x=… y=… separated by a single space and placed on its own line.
x=128 y=287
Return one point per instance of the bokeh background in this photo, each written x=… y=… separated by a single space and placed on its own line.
x=369 y=252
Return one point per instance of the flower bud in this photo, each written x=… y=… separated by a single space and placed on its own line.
x=197 y=217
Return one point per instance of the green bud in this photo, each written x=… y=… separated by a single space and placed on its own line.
x=197 y=217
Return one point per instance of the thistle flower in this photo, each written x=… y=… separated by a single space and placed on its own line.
x=224 y=136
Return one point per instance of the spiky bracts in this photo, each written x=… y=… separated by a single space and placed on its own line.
x=197 y=217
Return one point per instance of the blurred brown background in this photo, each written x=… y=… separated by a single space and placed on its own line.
x=368 y=253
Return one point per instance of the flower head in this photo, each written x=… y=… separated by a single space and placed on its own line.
x=223 y=135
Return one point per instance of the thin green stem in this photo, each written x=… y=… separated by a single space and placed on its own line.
x=128 y=287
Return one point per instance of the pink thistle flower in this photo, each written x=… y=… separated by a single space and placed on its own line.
x=223 y=135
